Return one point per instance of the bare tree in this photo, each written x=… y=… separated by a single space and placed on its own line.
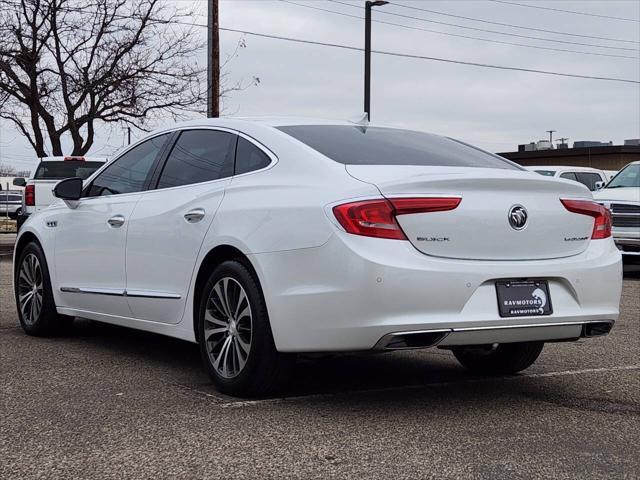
x=67 y=64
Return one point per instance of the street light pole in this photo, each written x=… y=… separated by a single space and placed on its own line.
x=213 y=61
x=367 y=54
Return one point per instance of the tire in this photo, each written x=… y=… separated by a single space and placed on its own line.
x=16 y=214
x=37 y=312
x=504 y=359
x=235 y=369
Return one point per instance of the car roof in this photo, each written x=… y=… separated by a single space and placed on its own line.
x=270 y=121
x=69 y=157
x=563 y=167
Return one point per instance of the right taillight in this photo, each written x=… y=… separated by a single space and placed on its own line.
x=30 y=195
x=377 y=218
x=602 y=215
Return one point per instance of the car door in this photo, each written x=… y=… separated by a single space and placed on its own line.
x=90 y=239
x=170 y=222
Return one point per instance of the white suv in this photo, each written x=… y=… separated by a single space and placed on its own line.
x=622 y=197
x=38 y=188
x=591 y=178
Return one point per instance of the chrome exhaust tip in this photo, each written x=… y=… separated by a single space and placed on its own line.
x=410 y=340
x=596 y=329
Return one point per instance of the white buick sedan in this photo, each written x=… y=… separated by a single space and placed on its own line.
x=259 y=239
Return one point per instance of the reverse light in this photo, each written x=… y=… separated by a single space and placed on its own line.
x=30 y=195
x=602 y=215
x=377 y=218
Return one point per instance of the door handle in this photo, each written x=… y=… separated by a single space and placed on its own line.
x=116 y=221
x=195 y=215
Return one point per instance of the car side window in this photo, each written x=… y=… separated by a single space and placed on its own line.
x=569 y=176
x=128 y=173
x=199 y=156
x=589 y=179
x=249 y=157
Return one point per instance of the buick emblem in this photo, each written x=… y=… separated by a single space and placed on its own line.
x=518 y=217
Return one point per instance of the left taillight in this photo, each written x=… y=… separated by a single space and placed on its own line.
x=377 y=218
x=30 y=195
x=602 y=215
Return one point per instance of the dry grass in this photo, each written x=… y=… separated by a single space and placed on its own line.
x=7 y=225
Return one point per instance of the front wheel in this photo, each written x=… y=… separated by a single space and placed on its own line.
x=235 y=336
x=498 y=359
x=34 y=298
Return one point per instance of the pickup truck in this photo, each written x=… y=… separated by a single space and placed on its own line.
x=38 y=188
x=622 y=197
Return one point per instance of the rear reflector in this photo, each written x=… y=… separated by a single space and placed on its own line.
x=377 y=218
x=30 y=195
x=602 y=215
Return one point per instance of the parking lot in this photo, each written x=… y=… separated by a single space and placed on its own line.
x=109 y=402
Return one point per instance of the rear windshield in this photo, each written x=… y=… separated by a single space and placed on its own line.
x=66 y=169
x=546 y=173
x=361 y=145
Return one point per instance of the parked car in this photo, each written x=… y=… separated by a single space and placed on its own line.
x=260 y=239
x=622 y=197
x=10 y=203
x=592 y=178
x=38 y=188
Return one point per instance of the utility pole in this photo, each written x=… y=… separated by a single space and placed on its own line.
x=213 y=61
x=367 y=54
x=550 y=136
x=561 y=140
x=128 y=135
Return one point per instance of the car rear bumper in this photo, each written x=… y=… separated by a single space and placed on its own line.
x=353 y=291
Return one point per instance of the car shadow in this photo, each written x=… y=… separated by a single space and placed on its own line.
x=178 y=362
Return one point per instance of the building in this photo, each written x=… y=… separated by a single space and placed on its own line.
x=603 y=157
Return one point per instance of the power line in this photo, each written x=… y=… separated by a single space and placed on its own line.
x=423 y=57
x=511 y=25
x=501 y=42
x=395 y=54
x=484 y=29
x=566 y=11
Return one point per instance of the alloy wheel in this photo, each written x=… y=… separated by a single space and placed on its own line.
x=228 y=327
x=30 y=289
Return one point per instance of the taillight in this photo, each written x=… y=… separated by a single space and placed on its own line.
x=377 y=218
x=68 y=158
x=30 y=195
x=602 y=215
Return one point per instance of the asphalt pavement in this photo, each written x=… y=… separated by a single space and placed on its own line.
x=108 y=402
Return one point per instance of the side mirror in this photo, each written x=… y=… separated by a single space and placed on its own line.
x=19 y=182
x=69 y=190
x=599 y=185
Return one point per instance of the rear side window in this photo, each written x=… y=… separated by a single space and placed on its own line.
x=361 y=145
x=199 y=156
x=569 y=176
x=66 y=169
x=249 y=157
x=588 y=179
x=128 y=173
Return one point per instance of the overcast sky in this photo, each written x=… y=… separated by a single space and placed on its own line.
x=495 y=109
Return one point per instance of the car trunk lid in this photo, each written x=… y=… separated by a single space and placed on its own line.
x=480 y=227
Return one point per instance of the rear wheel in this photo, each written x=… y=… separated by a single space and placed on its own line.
x=34 y=298
x=498 y=359
x=236 y=342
